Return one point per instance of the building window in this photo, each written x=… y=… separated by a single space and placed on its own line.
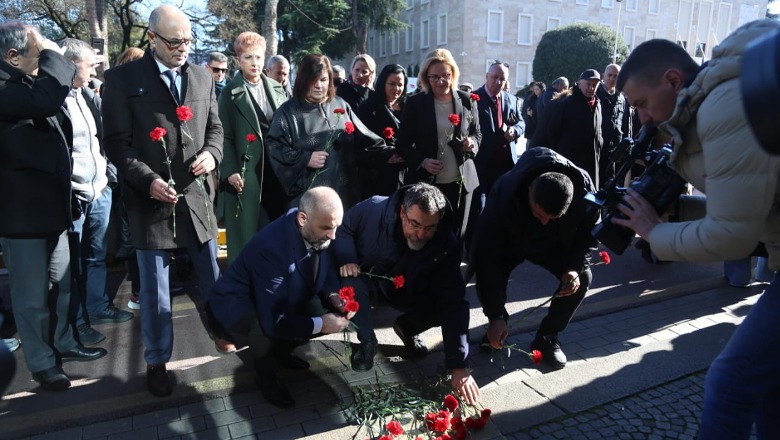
x=441 y=29
x=382 y=45
x=629 y=32
x=553 y=23
x=653 y=7
x=395 y=43
x=495 y=27
x=580 y=21
x=609 y=4
x=409 y=4
x=409 y=38
x=422 y=2
x=371 y=44
x=631 y=5
x=723 y=28
x=525 y=29
x=523 y=74
x=425 y=32
x=582 y=2
x=651 y=34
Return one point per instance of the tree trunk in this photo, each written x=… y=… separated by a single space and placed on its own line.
x=360 y=29
x=98 y=28
x=269 y=28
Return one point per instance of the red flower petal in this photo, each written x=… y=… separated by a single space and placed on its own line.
x=450 y=402
x=388 y=133
x=474 y=97
x=486 y=413
x=536 y=357
x=394 y=428
x=158 y=133
x=351 y=306
x=349 y=127
x=347 y=293
x=398 y=281
x=184 y=113
x=339 y=111
x=251 y=138
x=454 y=119
x=604 y=256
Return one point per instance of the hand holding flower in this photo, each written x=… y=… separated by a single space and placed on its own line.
x=333 y=323
x=497 y=333
x=464 y=384
x=161 y=191
x=570 y=282
x=433 y=166
x=204 y=163
x=318 y=159
x=236 y=182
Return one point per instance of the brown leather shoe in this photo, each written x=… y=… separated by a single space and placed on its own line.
x=158 y=382
x=224 y=346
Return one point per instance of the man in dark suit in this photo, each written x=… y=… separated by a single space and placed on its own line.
x=278 y=291
x=35 y=182
x=501 y=125
x=169 y=195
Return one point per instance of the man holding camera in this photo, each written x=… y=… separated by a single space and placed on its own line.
x=701 y=108
x=535 y=212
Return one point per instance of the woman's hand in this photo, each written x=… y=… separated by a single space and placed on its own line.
x=433 y=166
x=236 y=181
x=317 y=159
x=395 y=158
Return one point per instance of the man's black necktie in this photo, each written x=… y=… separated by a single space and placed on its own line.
x=315 y=264
x=171 y=74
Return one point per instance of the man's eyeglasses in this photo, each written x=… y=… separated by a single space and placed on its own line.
x=218 y=70
x=176 y=43
x=415 y=226
x=499 y=62
x=437 y=78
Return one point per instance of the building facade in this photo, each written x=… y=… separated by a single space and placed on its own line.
x=477 y=32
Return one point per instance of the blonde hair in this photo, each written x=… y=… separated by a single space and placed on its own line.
x=366 y=58
x=438 y=56
x=245 y=40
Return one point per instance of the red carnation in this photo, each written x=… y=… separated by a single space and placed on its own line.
x=157 y=134
x=536 y=357
x=471 y=423
x=450 y=402
x=394 y=428
x=454 y=119
x=461 y=433
x=457 y=422
x=251 y=137
x=398 y=281
x=349 y=127
x=444 y=437
x=430 y=418
x=339 y=111
x=351 y=306
x=347 y=293
x=604 y=256
x=486 y=413
x=386 y=437
x=388 y=133
x=184 y=113
x=441 y=425
x=474 y=97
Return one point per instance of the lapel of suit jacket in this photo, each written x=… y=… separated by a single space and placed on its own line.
x=273 y=92
x=185 y=83
x=458 y=109
x=243 y=102
x=485 y=105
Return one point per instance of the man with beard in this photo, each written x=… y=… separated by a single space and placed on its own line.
x=396 y=250
x=281 y=290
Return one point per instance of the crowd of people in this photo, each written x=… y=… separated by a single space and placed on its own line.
x=335 y=190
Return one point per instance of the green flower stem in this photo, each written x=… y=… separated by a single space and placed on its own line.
x=171 y=182
x=201 y=181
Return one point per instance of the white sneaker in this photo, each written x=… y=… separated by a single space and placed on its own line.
x=12 y=344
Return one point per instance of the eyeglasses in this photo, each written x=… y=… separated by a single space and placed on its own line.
x=499 y=62
x=176 y=43
x=218 y=70
x=415 y=226
x=437 y=78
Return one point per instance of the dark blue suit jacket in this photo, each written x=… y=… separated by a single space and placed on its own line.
x=272 y=274
x=496 y=154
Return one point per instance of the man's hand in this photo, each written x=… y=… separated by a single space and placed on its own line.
x=333 y=323
x=236 y=181
x=433 y=166
x=395 y=158
x=349 y=270
x=570 y=282
x=469 y=146
x=160 y=191
x=509 y=134
x=641 y=216
x=317 y=159
x=339 y=304
x=41 y=43
x=204 y=163
x=497 y=333
x=463 y=384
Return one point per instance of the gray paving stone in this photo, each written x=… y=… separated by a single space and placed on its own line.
x=216 y=433
x=102 y=429
x=155 y=418
x=179 y=427
x=292 y=432
x=295 y=416
x=228 y=416
x=201 y=408
x=250 y=427
x=67 y=434
x=149 y=433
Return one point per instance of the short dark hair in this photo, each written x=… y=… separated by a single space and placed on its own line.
x=309 y=70
x=427 y=197
x=651 y=59
x=218 y=57
x=553 y=192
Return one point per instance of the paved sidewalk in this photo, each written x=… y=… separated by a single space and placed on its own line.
x=633 y=373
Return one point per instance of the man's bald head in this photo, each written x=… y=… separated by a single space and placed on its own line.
x=320 y=212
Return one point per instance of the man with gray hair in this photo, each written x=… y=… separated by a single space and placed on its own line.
x=278 y=68
x=558 y=85
x=92 y=180
x=34 y=80
x=398 y=251
x=217 y=64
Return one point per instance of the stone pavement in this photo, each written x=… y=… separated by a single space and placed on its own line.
x=633 y=373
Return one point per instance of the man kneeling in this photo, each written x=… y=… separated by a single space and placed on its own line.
x=277 y=293
x=403 y=238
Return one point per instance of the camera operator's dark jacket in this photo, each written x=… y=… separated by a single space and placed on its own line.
x=371 y=237
x=505 y=226
x=34 y=158
x=571 y=128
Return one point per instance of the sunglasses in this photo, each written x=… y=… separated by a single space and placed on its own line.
x=499 y=62
x=218 y=70
x=175 y=43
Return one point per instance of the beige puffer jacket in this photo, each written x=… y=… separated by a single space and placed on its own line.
x=717 y=152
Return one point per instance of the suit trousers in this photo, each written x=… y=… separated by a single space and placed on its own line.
x=40 y=285
x=156 y=317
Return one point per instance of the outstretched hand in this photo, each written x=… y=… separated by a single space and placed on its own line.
x=640 y=214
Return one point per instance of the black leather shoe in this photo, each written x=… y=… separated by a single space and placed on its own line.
x=158 y=382
x=362 y=358
x=291 y=362
x=552 y=354
x=273 y=391
x=414 y=345
x=52 y=379
x=88 y=335
x=82 y=354
x=110 y=315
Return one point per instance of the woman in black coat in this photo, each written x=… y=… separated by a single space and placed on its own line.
x=381 y=113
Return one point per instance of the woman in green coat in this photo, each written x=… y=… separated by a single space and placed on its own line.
x=251 y=198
